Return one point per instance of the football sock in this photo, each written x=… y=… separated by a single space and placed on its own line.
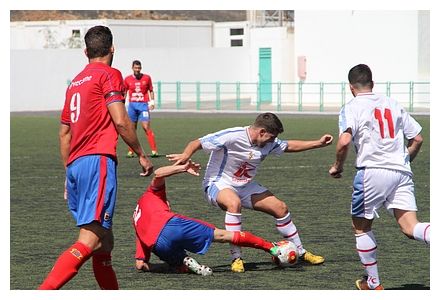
x=151 y=140
x=103 y=270
x=66 y=266
x=247 y=239
x=233 y=223
x=366 y=247
x=422 y=232
x=288 y=230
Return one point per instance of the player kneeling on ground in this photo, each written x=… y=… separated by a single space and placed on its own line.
x=169 y=235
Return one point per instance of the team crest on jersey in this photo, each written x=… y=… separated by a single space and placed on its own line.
x=242 y=174
x=75 y=252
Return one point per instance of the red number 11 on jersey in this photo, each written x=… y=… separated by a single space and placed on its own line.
x=387 y=115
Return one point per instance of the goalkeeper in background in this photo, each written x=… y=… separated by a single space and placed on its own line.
x=169 y=235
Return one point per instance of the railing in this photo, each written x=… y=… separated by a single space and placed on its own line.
x=285 y=97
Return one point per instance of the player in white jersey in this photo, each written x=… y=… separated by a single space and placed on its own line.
x=378 y=126
x=236 y=154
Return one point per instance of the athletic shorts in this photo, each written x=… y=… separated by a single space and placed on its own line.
x=138 y=111
x=183 y=234
x=91 y=189
x=244 y=192
x=374 y=188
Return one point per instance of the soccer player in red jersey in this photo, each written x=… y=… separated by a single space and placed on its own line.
x=169 y=235
x=93 y=116
x=141 y=101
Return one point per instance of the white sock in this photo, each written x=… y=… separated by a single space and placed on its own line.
x=288 y=230
x=422 y=232
x=233 y=223
x=366 y=248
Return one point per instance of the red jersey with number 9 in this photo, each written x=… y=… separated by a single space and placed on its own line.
x=85 y=110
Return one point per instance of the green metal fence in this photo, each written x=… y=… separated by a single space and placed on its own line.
x=287 y=97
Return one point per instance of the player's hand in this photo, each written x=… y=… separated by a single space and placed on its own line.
x=178 y=159
x=335 y=172
x=192 y=168
x=151 y=107
x=326 y=140
x=147 y=166
x=142 y=266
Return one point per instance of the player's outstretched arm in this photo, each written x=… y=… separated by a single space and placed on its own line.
x=298 y=145
x=161 y=173
x=341 y=154
x=183 y=157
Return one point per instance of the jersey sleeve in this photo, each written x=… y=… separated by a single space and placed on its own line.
x=279 y=146
x=113 y=87
x=150 y=84
x=411 y=127
x=65 y=114
x=215 y=141
x=346 y=120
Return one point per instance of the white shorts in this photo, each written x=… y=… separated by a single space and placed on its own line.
x=374 y=188
x=244 y=192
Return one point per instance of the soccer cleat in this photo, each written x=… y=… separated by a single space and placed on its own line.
x=154 y=154
x=197 y=268
x=362 y=284
x=130 y=154
x=237 y=265
x=311 y=258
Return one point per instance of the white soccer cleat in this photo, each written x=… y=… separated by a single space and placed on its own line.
x=197 y=268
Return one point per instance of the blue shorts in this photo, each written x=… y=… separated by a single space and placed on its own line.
x=183 y=234
x=91 y=189
x=138 y=111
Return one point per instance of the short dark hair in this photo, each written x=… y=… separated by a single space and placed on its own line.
x=99 y=40
x=360 y=76
x=136 y=63
x=269 y=122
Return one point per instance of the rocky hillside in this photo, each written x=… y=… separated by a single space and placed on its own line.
x=50 y=15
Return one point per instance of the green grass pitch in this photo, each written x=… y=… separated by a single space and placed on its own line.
x=41 y=226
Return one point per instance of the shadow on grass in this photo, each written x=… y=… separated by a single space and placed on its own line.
x=410 y=286
x=258 y=267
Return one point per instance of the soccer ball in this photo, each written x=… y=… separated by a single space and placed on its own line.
x=288 y=255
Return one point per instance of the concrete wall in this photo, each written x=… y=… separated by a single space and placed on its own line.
x=334 y=41
x=39 y=77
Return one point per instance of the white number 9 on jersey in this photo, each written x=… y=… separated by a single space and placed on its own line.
x=75 y=104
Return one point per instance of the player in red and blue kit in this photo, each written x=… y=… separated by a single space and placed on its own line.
x=169 y=235
x=141 y=100
x=93 y=116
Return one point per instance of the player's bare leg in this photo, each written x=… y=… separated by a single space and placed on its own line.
x=411 y=227
x=229 y=201
x=92 y=238
x=268 y=203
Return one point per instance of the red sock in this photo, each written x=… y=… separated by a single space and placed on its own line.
x=103 y=270
x=151 y=140
x=247 y=239
x=66 y=266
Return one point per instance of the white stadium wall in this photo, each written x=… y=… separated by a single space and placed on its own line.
x=394 y=43
x=334 y=41
x=56 y=67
